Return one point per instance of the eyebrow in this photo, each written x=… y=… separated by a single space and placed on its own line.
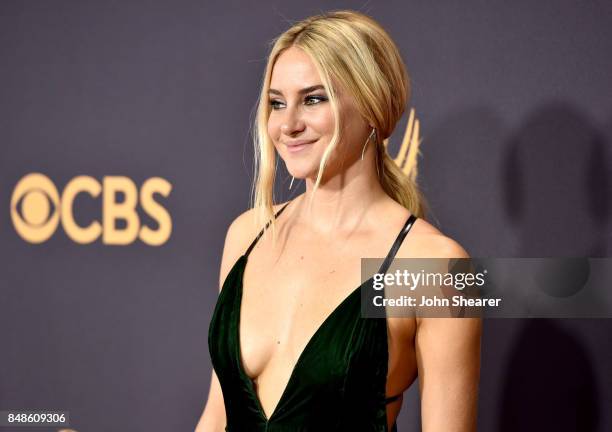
x=304 y=90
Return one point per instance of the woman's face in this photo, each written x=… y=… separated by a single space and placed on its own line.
x=301 y=122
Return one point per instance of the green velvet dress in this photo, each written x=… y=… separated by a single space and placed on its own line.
x=338 y=382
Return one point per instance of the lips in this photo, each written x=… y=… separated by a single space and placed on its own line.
x=298 y=145
x=298 y=142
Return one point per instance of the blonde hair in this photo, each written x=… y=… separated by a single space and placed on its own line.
x=355 y=51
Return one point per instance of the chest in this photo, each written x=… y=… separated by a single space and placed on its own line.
x=284 y=307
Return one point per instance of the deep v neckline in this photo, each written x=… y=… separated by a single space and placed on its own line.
x=317 y=332
x=238 y=350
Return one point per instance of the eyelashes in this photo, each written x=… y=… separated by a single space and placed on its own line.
x=308 y=100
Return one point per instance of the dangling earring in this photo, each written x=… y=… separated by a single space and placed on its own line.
x=291 y=184
x=366 y=143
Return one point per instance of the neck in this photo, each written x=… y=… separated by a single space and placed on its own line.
x=343 y=200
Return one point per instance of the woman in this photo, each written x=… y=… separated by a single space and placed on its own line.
x=289 y=347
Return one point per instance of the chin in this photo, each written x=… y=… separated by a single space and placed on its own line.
x=298 y=174
x=300 y=171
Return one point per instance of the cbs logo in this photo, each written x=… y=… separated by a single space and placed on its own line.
x=37 y=220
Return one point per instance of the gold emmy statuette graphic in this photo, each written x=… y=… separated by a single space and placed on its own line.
x=409 y=150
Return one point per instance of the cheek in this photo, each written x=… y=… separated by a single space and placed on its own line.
x=353 y=127
x=322 y=121
x=273 y=127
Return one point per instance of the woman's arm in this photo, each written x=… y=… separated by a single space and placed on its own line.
x=448 y=362
x=213 y=417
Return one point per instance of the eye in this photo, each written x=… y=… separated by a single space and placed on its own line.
x=275 y=104
x=313 y=100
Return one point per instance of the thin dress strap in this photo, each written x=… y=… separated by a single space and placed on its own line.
x=383 y=269
x=397 y=243
x=248 y=251
x=393 y=398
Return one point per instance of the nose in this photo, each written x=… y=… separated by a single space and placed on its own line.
x=292 y=121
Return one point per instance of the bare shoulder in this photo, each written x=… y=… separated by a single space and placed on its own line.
x=241 y=232
x=426 y=241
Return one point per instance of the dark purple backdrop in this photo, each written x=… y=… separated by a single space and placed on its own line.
x=516 y=113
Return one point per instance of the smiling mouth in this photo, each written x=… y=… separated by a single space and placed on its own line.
x=299 y=147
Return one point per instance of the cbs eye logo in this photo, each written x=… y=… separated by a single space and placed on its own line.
x=42 y=209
